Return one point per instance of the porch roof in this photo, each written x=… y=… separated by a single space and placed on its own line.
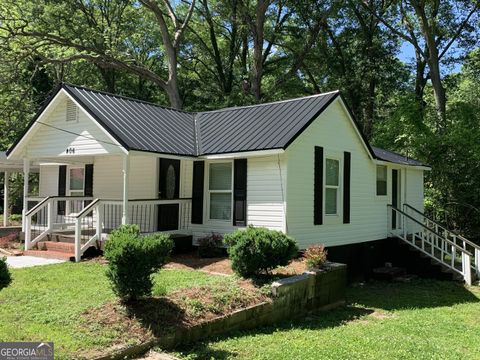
x=13 y=165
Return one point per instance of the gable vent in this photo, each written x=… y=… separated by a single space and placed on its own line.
x=72 y=111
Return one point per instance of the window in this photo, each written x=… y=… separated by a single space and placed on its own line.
x=381 y=180
x=220 y=191
x=77 y=181
x=332 y=175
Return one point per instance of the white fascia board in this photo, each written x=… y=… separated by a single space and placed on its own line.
x=397 y=165
x=244 y=154
x=160 y=155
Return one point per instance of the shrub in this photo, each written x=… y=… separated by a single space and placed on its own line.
x=211 y=246
x=133 y=259
x=257 y=250
x=315 y=256
x=5 y=277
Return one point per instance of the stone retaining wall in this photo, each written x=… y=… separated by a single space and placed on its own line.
x=292 y=297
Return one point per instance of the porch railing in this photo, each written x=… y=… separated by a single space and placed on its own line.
x=90 y=220
x=106 y=215
x=49 y=214
x=433 y=244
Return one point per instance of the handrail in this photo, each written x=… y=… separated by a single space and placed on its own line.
x=443 y=227
x=87 y=209
x=451 y=243
x=37 y=206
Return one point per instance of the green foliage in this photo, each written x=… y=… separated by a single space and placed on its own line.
x=258 y=249
x=133 y=259
x=5 y=277
x=315 y=256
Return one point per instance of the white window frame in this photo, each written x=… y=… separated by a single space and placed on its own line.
x=208 y=192
x=376 y=181
x=337 y=187
x=68 y=190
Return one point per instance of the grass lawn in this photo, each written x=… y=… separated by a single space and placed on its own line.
x=47 y=304
x=424 y=319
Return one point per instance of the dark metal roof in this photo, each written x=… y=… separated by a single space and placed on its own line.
x=138 y=125
x=143 y=126
x=258 y=127
x=393 y=157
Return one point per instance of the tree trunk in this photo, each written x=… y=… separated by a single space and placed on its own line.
x=258 y=38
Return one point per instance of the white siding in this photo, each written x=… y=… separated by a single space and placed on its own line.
x=266 y=185
x=108 y=177
x=83 y=135
x=335 y=133
x=48 y=180
x=415 y=184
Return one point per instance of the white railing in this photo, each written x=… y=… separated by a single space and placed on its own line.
x=49 y=214
x=453 y=236
x=101 y=216
x=433 y=243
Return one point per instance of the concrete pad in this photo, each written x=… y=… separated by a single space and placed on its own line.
x=18 y=262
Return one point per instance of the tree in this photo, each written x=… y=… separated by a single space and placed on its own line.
x=432 y=27
x=100 y=32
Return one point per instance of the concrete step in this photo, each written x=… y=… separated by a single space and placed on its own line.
x=49 y=254
x=64 y=247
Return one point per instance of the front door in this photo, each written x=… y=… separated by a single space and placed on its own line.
x=395 y=196
x=168 y=189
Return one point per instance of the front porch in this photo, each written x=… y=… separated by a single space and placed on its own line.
x=82 y=199
x=87 y=222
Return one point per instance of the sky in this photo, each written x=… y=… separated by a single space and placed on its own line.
x=407 y=55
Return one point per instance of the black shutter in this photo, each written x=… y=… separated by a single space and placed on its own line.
x=346 y=186
x=197 y=192
x=240 y=192
x=88 y=180
x=318 y=187
x=62 y=188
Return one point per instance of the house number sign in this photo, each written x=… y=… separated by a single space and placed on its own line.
x=70 y=151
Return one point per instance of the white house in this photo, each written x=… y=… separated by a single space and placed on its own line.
x=301 y=166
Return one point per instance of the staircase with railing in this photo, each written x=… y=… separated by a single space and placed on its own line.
x=84 y=222
x=452 y=251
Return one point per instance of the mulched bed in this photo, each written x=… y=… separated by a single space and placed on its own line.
x=11 y=244
x=222 y=265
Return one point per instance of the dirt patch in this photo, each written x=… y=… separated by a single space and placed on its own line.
x=220 y=265
x=223 y=265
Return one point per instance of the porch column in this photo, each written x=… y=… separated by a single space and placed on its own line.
x=26 y=176
x=126 y=172
x=5 y=198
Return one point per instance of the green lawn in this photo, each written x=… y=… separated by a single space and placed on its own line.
x=424 y=319
x=45 y=304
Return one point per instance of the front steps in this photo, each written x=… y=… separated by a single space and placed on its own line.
x=53 y=250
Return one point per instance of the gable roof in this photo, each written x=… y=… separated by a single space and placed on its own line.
x=143 y=126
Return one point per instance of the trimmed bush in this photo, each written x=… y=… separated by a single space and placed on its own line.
x=315 y=256
x=5 y=277
x=256 y=250
x=132 y=259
